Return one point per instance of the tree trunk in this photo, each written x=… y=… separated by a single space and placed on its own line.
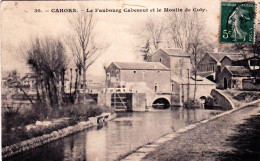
x=195 y=88
x=76 y=89
x=62 y=84
x=79 y=84
x=44 y=91
x=195 y=73
x=84 y=73
x=25 y=94
x=84 y=85
x=37 y=88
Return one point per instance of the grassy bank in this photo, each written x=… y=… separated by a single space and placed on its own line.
x=246 y=141
x=209 y=141
x=21 y=124
x=240 y=97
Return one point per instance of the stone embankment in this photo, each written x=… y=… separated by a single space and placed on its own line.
x=221 y=100
x=55 y=135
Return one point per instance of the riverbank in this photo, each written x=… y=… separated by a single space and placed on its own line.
x=208 y=141
x=23 y=146
x=201 y=141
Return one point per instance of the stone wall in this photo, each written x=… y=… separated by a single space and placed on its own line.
x=139 y=102
x=104 y=99
x=220 y=100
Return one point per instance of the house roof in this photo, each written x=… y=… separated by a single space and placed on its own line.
x=175 y=52
x=239 y=71
x=205 y=74
x=141 y=66
x=219 y=56
x=236 y=57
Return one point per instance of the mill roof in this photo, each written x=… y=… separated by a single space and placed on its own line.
x=174 y=52
x=141 y=66
x=239 y=71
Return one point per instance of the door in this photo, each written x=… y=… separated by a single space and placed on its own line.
x=225 y=83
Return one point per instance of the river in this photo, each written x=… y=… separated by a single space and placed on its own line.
x=112 y=139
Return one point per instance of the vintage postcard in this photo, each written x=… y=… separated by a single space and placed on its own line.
x=130 y=80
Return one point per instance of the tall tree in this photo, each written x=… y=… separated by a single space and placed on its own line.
x=187 y=31
x=181 y=29
x=152 y=35
x=47 y=59
x=83 y=46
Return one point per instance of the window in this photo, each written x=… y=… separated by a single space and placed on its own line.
x=213 y=67
x=253 y=62
x=180 y=71
x=117 y=71
x=108 y=75
x=134 y=71
x=160 y=59
x=155 y=87
x=172 y=87
x=180 y=61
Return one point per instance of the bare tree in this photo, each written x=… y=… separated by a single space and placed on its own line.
x=83 y=46
x=153 y=32
x=181 y=29
x=187 y=31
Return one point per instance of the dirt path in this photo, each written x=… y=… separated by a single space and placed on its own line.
x=209 y=141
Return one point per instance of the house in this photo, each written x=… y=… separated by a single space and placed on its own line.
x=232 y=77
x=232 y=60
x=151 y=76
x=29 y=81
x=209 y=64
x=176 y=60
x=249 y=61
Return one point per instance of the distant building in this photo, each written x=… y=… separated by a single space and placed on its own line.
x=232 y=60
x=249 y=61
x=209 y=64
x=29 y=81
x=153 y=76
x=232 y=76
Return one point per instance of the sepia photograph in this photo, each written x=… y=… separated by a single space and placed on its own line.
x=130 y=80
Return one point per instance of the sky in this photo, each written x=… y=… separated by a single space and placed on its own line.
x=119 y=31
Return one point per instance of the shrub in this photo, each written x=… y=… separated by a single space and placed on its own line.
x=191 y=104
x=13 y=130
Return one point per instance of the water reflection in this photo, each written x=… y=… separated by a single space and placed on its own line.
x=110 y=140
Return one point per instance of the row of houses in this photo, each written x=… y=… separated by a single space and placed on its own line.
x=231 y=70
